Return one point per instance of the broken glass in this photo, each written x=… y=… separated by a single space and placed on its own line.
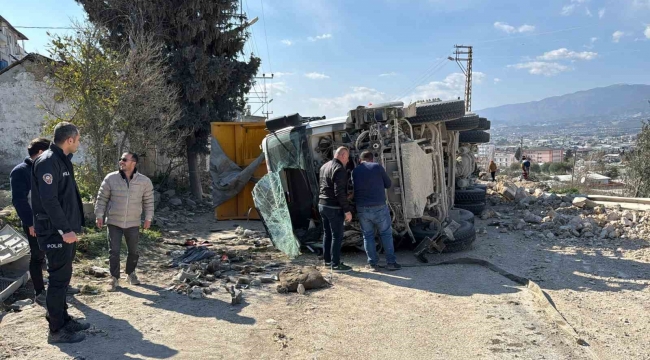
x=271 y=203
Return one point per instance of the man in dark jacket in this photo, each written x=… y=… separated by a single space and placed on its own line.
x=334 y=207
x=58 y=218
x=21 y=186
x=370 y=181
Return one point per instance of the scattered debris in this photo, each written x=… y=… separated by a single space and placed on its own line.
x=21 y=305
x=301 y=289
x=308 y=277
x=97 y=271
x=196 y=293
x=89 y=290
x=236 y=295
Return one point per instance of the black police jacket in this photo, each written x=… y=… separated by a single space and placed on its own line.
x=56 y=201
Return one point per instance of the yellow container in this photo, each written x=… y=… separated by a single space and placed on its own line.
x=241 y=141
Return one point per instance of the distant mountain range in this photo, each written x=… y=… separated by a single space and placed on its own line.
x=611 y=103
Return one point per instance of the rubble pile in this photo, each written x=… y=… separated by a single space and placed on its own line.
x=173 y=209
x=571 y=217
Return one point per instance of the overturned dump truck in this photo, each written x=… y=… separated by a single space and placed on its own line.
x=427 y=148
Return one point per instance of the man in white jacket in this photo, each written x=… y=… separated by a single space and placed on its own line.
x=122 y=197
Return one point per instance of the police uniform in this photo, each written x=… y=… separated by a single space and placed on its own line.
x=58 y=210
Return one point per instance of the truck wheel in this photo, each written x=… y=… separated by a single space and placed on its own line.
x=483 y=124
x=459 y=215
x=474 y=137
x=467 y=122
x=469 y=196
x=475 y=208
x=423 y=230
x=438 y=111
x=463 y=238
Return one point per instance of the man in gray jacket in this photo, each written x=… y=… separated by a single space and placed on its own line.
x=122 y=197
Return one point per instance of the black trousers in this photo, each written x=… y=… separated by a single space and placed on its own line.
x=36 y=262
x=132 y=236
x=59 y=265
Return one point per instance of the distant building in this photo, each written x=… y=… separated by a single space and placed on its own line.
x=10 y=49
x=504 y=160
x=544 y=154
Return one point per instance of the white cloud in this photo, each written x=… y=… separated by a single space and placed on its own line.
x=617 y=35
x=281 y=74
x=392 y=73
x=287 y=42
x=452 y=87
x=497 y=80
x=588 y=12
x=601 y=13
x=594 y=39
x=320 y=37
x=340 y=105
x=277 y=88
x=647 y=32
x=541 y=67
x=316 y=76
x=564 y=53
x=641 y=3
x=568 y=9
x=511 y=29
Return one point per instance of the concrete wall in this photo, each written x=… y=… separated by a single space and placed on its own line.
x=21 y=118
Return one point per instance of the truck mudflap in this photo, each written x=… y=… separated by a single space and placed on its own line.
x=271 y=204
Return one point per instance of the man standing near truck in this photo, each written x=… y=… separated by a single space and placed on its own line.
x=21 y=186
x=334 y=207
x=128 y=192
x=370 y=181
x=58 y=218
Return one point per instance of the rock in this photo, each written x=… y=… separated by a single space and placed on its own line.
x=503 y=230
x=309 y=277
x=156 y=198
x=256 y=282
x=190 y=202
x=301 y=289
x=21 y=304
x=547 y=219
x=588 y=234
x=553 y=197
x=196 y=292
x=184 y=275
x=249 y=233
x=176 y=201
x=213 y=267
x=520 y=194
x=564 y=204
x=488 y=214
x=538 y=192
x=552 y=214
x=532 y=218
x=244 y=280
x=97 y=271
x=89 y=210
x=626 y=222
x=603 y=234
x=266 y=279
x=235 y=295
x=210 y=277
x=526 y=201
x=507 y=190
x=583 y=202
x=520 y=224
x=529 y=234
x=549 y=235
x=170 y=193
x=599 y=209
x=575 y=232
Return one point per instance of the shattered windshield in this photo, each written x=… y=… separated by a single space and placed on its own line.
x=269 y=198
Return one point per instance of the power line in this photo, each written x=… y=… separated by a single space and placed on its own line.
x=45 y=27
x=427 y=75
x=268 y=53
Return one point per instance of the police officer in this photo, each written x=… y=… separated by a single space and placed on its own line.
x=58 y=218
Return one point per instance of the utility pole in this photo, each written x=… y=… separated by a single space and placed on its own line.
x=459 y=53
x=573 y=169
x=265 y=101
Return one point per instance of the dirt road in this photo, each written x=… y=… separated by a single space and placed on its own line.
x=453 y=311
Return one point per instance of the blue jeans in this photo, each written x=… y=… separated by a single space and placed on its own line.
x=333 y=220
x=377 y=218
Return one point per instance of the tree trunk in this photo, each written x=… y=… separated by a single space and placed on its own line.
x=193 y=167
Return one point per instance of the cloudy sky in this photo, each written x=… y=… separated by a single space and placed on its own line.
x=329 y=56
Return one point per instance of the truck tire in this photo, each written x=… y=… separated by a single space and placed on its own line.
x=463 y=238
x=475 y=208
x=467 y=122
x=483 y=124
x=459 y=215
x=438 y=111
x=282 y=122
x=474 y=137
x=422 y=230
x=480 y=186
x=469 y=196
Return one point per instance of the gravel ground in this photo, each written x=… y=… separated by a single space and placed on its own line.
x=452 y=311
